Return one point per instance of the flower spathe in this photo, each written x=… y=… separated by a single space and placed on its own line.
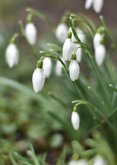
x=12 y=55
x=78 y=162
x=68 y=48
x=99 y=160
x=47 y=66
x=31 y=33
x=61 y=32
x=38 y=79
x=75 y=120
x=74 y=70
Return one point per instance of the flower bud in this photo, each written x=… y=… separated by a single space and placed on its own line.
x=99 y=160
x=97 y=5
x=75 y=120
x=74 y=70
x=100 y=53
x=68 y=49
x=31 y=33
x=38 y=79
x=61 y=32
x=88 y=4
x=12 y=55
x=47 y=66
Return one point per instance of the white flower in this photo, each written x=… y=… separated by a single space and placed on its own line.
x=99 y=160
x=68 y=49
x=97 y=40
x=100 y=53
x=97 y=5
x=75 y=120
x=47 y=66
x=88 y=4
x=78 y=53
x=74 y=70
x=12 y=55
x=61 y=32
x=78 y=162
x=38 y=79
x=59 y=67
x=31 y=33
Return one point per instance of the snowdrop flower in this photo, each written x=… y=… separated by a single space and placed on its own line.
x=74 y=69
x=38 y=79
x=61 y=32
x=97 y=39
x=78 y=53
x=59 y=67
x=78 y=162
x=68 y=49
x=100 y=53
x=12 y=55
x=88 y=4
x=31 y=33
x=47 y=66
x=99 y=160
x=75 y=120
x=97 y=5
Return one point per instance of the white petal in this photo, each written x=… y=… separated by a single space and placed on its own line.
x=58 y=68
x=78 y=53
x=47 y=66
x=99 y=160
x=74 y=70
x=100 y=53
x=38 y=80
x=31 y=33
x=75 y=119
x=12 y=55
x=97 y=39
x=68 y=48
x=61 y=32
x=88 y=4
x=97 y=5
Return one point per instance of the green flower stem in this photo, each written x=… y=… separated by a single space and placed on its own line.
x=41 y=15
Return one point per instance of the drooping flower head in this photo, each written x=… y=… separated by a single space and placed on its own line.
x=96 y=4
x=75 y=120
x=74 y=69
x=12 y=55
x=47 y=66
x=38 y=78
x=31 y=33
x=61 y=32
